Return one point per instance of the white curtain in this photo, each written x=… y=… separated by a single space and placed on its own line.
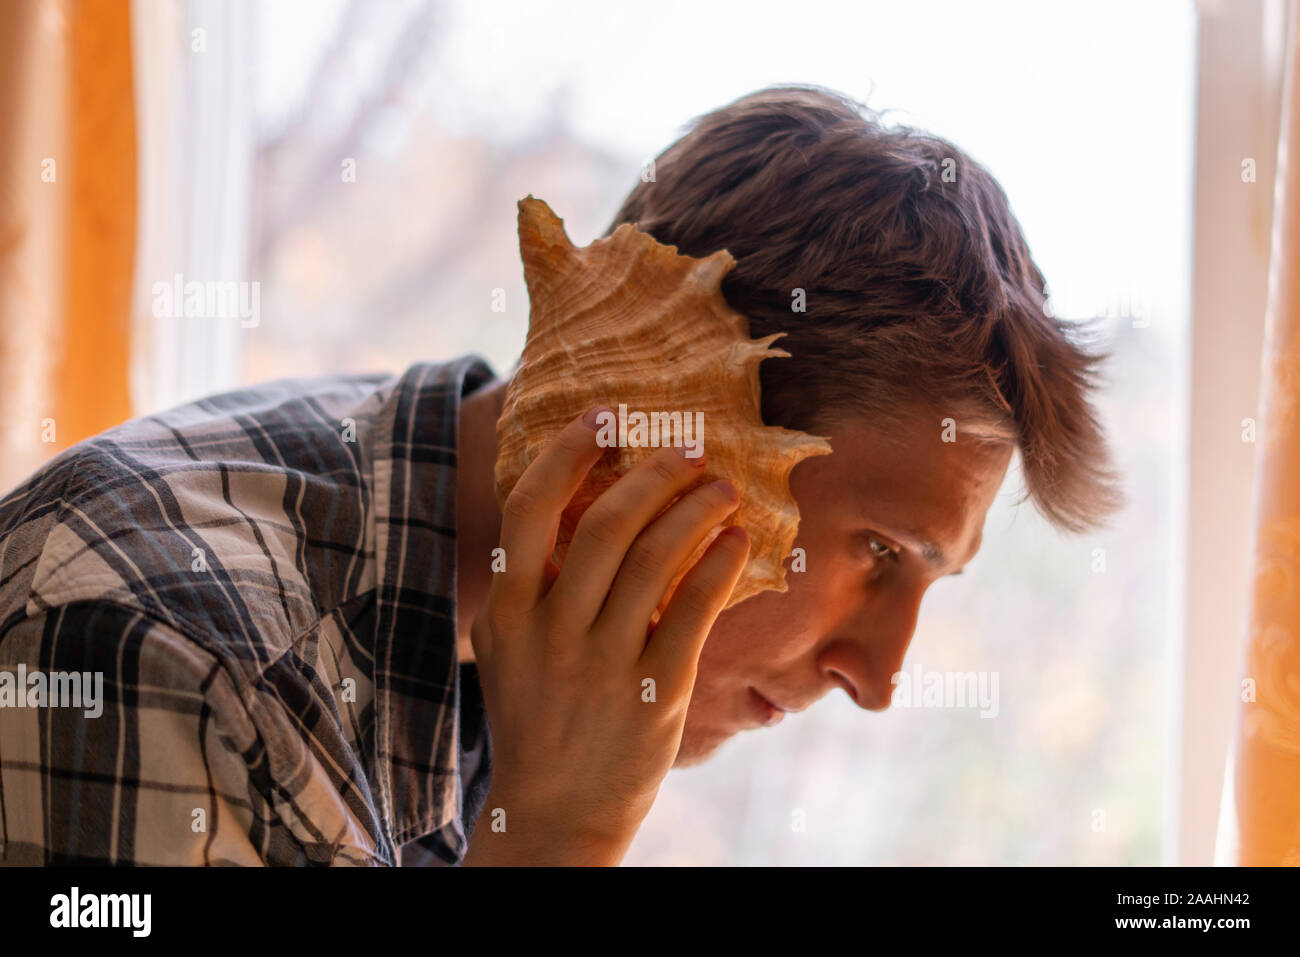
x=195 y=83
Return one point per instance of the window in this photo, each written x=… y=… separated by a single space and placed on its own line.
x=392 y=142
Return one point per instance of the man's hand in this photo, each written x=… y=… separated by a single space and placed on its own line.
x=578 y=751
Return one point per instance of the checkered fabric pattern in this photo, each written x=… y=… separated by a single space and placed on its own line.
x=266 y=581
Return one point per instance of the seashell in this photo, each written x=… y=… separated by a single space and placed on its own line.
x=628 y=323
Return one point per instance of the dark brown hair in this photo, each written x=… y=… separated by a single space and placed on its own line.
x=920 y=296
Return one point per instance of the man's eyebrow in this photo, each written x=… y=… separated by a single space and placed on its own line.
x=931 y=552
x=920 y=542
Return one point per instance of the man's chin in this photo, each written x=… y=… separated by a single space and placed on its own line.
x=697 y=748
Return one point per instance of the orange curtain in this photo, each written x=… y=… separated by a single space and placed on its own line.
x=1266 y=760
x=67 y=225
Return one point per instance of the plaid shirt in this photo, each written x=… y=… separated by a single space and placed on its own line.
x=265 y=580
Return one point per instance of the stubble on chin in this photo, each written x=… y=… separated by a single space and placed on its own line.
x=697 y=747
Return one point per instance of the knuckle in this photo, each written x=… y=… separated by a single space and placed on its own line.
x=574 y=441
x=673 y=698
x=601 y=525
x=696 y=596
x=706 y=505
x=700 y=511
x=735 y=544
x=499 y=619
x=646 y=559
x=662 y=466
x=520 y=504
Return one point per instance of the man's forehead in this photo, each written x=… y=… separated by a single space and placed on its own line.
x=927 y=494
x=914 y=454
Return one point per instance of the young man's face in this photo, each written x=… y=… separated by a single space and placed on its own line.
x=846 y=620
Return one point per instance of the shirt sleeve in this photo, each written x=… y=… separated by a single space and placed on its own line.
x=133 y=744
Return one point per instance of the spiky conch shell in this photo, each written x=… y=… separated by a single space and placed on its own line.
x=626 y=320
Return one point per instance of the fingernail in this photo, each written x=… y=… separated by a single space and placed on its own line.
x=727 y=489
x=693 y=454
x=589 y=420
x=735 y=531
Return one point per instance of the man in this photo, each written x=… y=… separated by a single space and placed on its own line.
x=307 y=658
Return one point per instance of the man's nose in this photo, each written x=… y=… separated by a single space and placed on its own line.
x=870 y=651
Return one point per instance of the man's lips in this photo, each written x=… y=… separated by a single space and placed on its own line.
x=769 y=712
x=778 y=705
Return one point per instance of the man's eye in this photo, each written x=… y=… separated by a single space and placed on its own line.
x=878 y=548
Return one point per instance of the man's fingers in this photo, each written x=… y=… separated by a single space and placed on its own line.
x=610 y=525
x=530 y=518
x=655 y=558
x=673 y=652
